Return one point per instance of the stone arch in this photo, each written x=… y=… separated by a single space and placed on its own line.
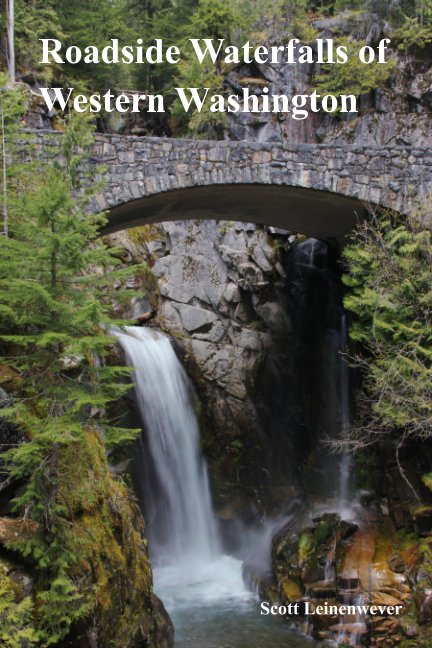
x=318 y=189
x=323 y=215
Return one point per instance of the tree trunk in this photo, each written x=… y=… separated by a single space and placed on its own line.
x=4 y=160
x=11 y=40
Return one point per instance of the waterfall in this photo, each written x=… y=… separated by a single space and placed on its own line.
x=181 y=523
x=202 y=589
x=345 y=465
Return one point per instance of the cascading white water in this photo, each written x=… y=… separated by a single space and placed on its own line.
x=184 y=524
x=351 y=628
x=344 y=415
x=202 y=589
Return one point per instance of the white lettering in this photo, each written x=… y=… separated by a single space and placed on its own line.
x=194 y=99
x=58 y=97
x=46 y=52
x=208 y=50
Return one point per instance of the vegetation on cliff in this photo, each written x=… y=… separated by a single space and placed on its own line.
x=74 y=524
x=389 y=279
x=90 y=572
x=407 y=22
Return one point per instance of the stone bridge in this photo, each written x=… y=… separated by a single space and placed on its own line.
x=319 y=190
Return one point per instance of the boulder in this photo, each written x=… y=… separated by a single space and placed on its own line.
x=423 y=600
x=194 y=319
x=16 y=529
x=396 y=563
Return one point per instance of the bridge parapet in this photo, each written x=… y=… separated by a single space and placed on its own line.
x=136 y=168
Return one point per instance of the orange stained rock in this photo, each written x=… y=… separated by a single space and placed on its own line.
x=358 y=558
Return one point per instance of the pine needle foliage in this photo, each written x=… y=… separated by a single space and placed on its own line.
x=55 y=281
x=416 y=30
x=16 y=627
x=354 y=77
x=389 y=290
x=216 y=19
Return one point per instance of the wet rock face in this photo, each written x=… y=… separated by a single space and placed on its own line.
x=250 y=309
x=222 y=290
x=336 y=562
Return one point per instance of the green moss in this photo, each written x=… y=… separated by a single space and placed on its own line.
x=324 y=530
x=291 y=590
x=93 y=568
x=427 y=480
x=306 y=546
x=421 y=642
x=107 y=534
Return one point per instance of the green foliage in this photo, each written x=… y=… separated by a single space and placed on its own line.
x=81 y=23
x=34 y=19
x=76 y=22
x=353 y=77
x=11 y=111
x=427 y=480
x=306 y=546
x=393 y=11
x=388 y=280
x=96 y=23
x=54 y=303
x=16 y=627
x=288 y=18
x=203 y=123
x=341 y=5
x=150 y=19
x=416 y=30
x=215 y=19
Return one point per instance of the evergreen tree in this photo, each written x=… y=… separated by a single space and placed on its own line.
x=11 y=110
x=354 y=77
x=16 y=628
x=95 y=23
x=34 y=19
x=214 y=19
x=53 y=332
x=389 y=279
x=416 y=30
x=165 y=19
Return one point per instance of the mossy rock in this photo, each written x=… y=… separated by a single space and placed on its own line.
x=427 y=480
x=8 y=376
x=306 y=546
x=325 y=528
x=291 y=590
x=114 y=568
x=101 y=535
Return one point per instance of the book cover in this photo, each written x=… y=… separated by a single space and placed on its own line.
x=215 y=323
